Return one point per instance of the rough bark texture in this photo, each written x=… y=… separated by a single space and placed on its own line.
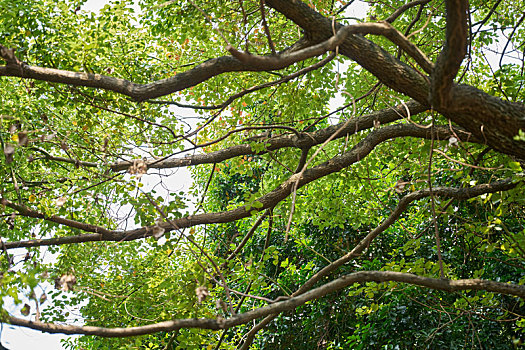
x=491 y=119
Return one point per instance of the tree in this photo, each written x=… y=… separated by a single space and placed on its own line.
x=401 y=204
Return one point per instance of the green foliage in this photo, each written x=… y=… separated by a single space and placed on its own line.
x=60 y=141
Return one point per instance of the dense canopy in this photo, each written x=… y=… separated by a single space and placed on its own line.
x=357 y=173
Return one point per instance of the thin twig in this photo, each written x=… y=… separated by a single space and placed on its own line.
x=297 y=177
x=214 y=264
x=247 y=236
x=205 y=188
x=463 y=163
x=433 y=202
x=510 y=38
x=266 y=29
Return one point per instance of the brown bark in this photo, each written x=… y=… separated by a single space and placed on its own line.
x=491 y=119
x=269 y=200
x=449 y=61
x=291 y=303
x=486 y=119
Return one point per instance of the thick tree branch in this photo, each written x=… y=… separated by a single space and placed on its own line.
x=269 y=200
x=455 y=49
x=289 y=304
x=305 y=140
x=138 y=92
x=238 y=95
x=503 y=124
x=496 y=127
x=383 y=28
x=504 y=121
x=241 y=61
x=446 y=192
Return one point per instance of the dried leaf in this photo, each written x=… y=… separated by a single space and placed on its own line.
x=65 y=282
x=22 y=138
x=400 y=185
x=60 y=201
x=139 y=167
x=9 y=152
x=64 y=145
x=158 y=231
x=43 y=298
x=202 y=293
x=219 y=304
x=11 y=221
x=453 y=142
x=13 y=128
x=220 y=319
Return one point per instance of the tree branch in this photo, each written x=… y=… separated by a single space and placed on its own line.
x=269 y=200
x=254 y=88
x=448 y=192
x=491 y=119
x=289 y=304
x=241 y=61
x=138 y=92
x=383 y=28
x=455 y=49
x=305 y=140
